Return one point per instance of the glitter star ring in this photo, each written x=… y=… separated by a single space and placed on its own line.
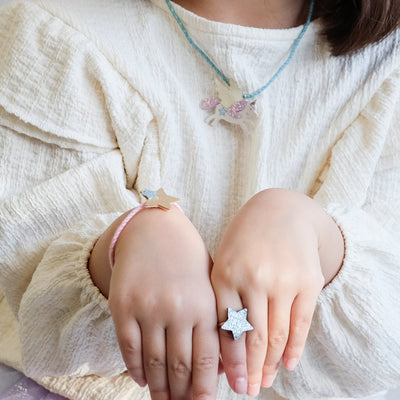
x=236 y=323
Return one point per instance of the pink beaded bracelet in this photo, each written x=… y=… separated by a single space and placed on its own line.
x=158 y=199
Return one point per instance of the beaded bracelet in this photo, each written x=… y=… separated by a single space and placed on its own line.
x=158 y=199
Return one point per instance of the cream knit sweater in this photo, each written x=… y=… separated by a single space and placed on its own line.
x=99 y=99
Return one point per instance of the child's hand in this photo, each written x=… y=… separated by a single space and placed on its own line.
x=163 y=306
x=269 y=262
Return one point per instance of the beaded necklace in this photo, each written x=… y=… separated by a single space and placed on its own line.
x=231 y=104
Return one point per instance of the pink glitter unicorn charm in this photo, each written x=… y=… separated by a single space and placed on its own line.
x=230 y=106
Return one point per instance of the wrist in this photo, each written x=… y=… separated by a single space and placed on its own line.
x=102 y=257
x=331 y=248
x=99 y=265
x=329 y=236
x=156 y=200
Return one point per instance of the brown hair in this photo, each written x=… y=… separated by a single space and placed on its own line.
x=350 y=25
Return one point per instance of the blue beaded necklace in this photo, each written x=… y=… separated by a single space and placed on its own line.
x=231 y=104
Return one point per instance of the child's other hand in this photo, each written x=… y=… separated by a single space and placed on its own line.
x=163 y=306
x=269 y=263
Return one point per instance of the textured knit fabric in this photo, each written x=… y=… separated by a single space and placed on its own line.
x=99 y=100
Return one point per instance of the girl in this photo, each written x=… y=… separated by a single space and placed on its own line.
x=275 y=123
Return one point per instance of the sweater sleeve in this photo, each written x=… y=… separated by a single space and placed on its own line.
x=68 y=120
x=353 y=348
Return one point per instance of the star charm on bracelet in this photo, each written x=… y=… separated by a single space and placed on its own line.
x=237 y=323
x=158 y=200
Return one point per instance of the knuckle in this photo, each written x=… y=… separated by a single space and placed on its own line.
x=205 y=363
x=147 y=302
x=161 y=306
x=234 y=366
x=256 y=340
x=180 y=369
x=119 y=303
x=293 y=350
x=277 y=339
x=232 y=274
x=128 y=346
x=175 y=305
x=203 y=314
x=202 y=394
x=256 y=274
x=225 y=274
x=155 y=362
x=301 y=324
x=286 y=281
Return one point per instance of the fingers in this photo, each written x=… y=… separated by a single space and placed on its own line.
x=155 y=361
x=300 y=322
x=278 y=333
x=256 y=341
x=233 y=352
x=130 y=343
x=281 y=325
x=179 y=360
x=170 y=366
x=205 y=363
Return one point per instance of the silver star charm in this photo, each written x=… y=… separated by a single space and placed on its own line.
x=237 y=322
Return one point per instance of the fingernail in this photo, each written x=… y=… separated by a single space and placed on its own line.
x=253 y=389
x=268 y=380
x=241 y=385
x=291 y=364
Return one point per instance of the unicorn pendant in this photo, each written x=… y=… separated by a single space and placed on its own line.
x=230 y=106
